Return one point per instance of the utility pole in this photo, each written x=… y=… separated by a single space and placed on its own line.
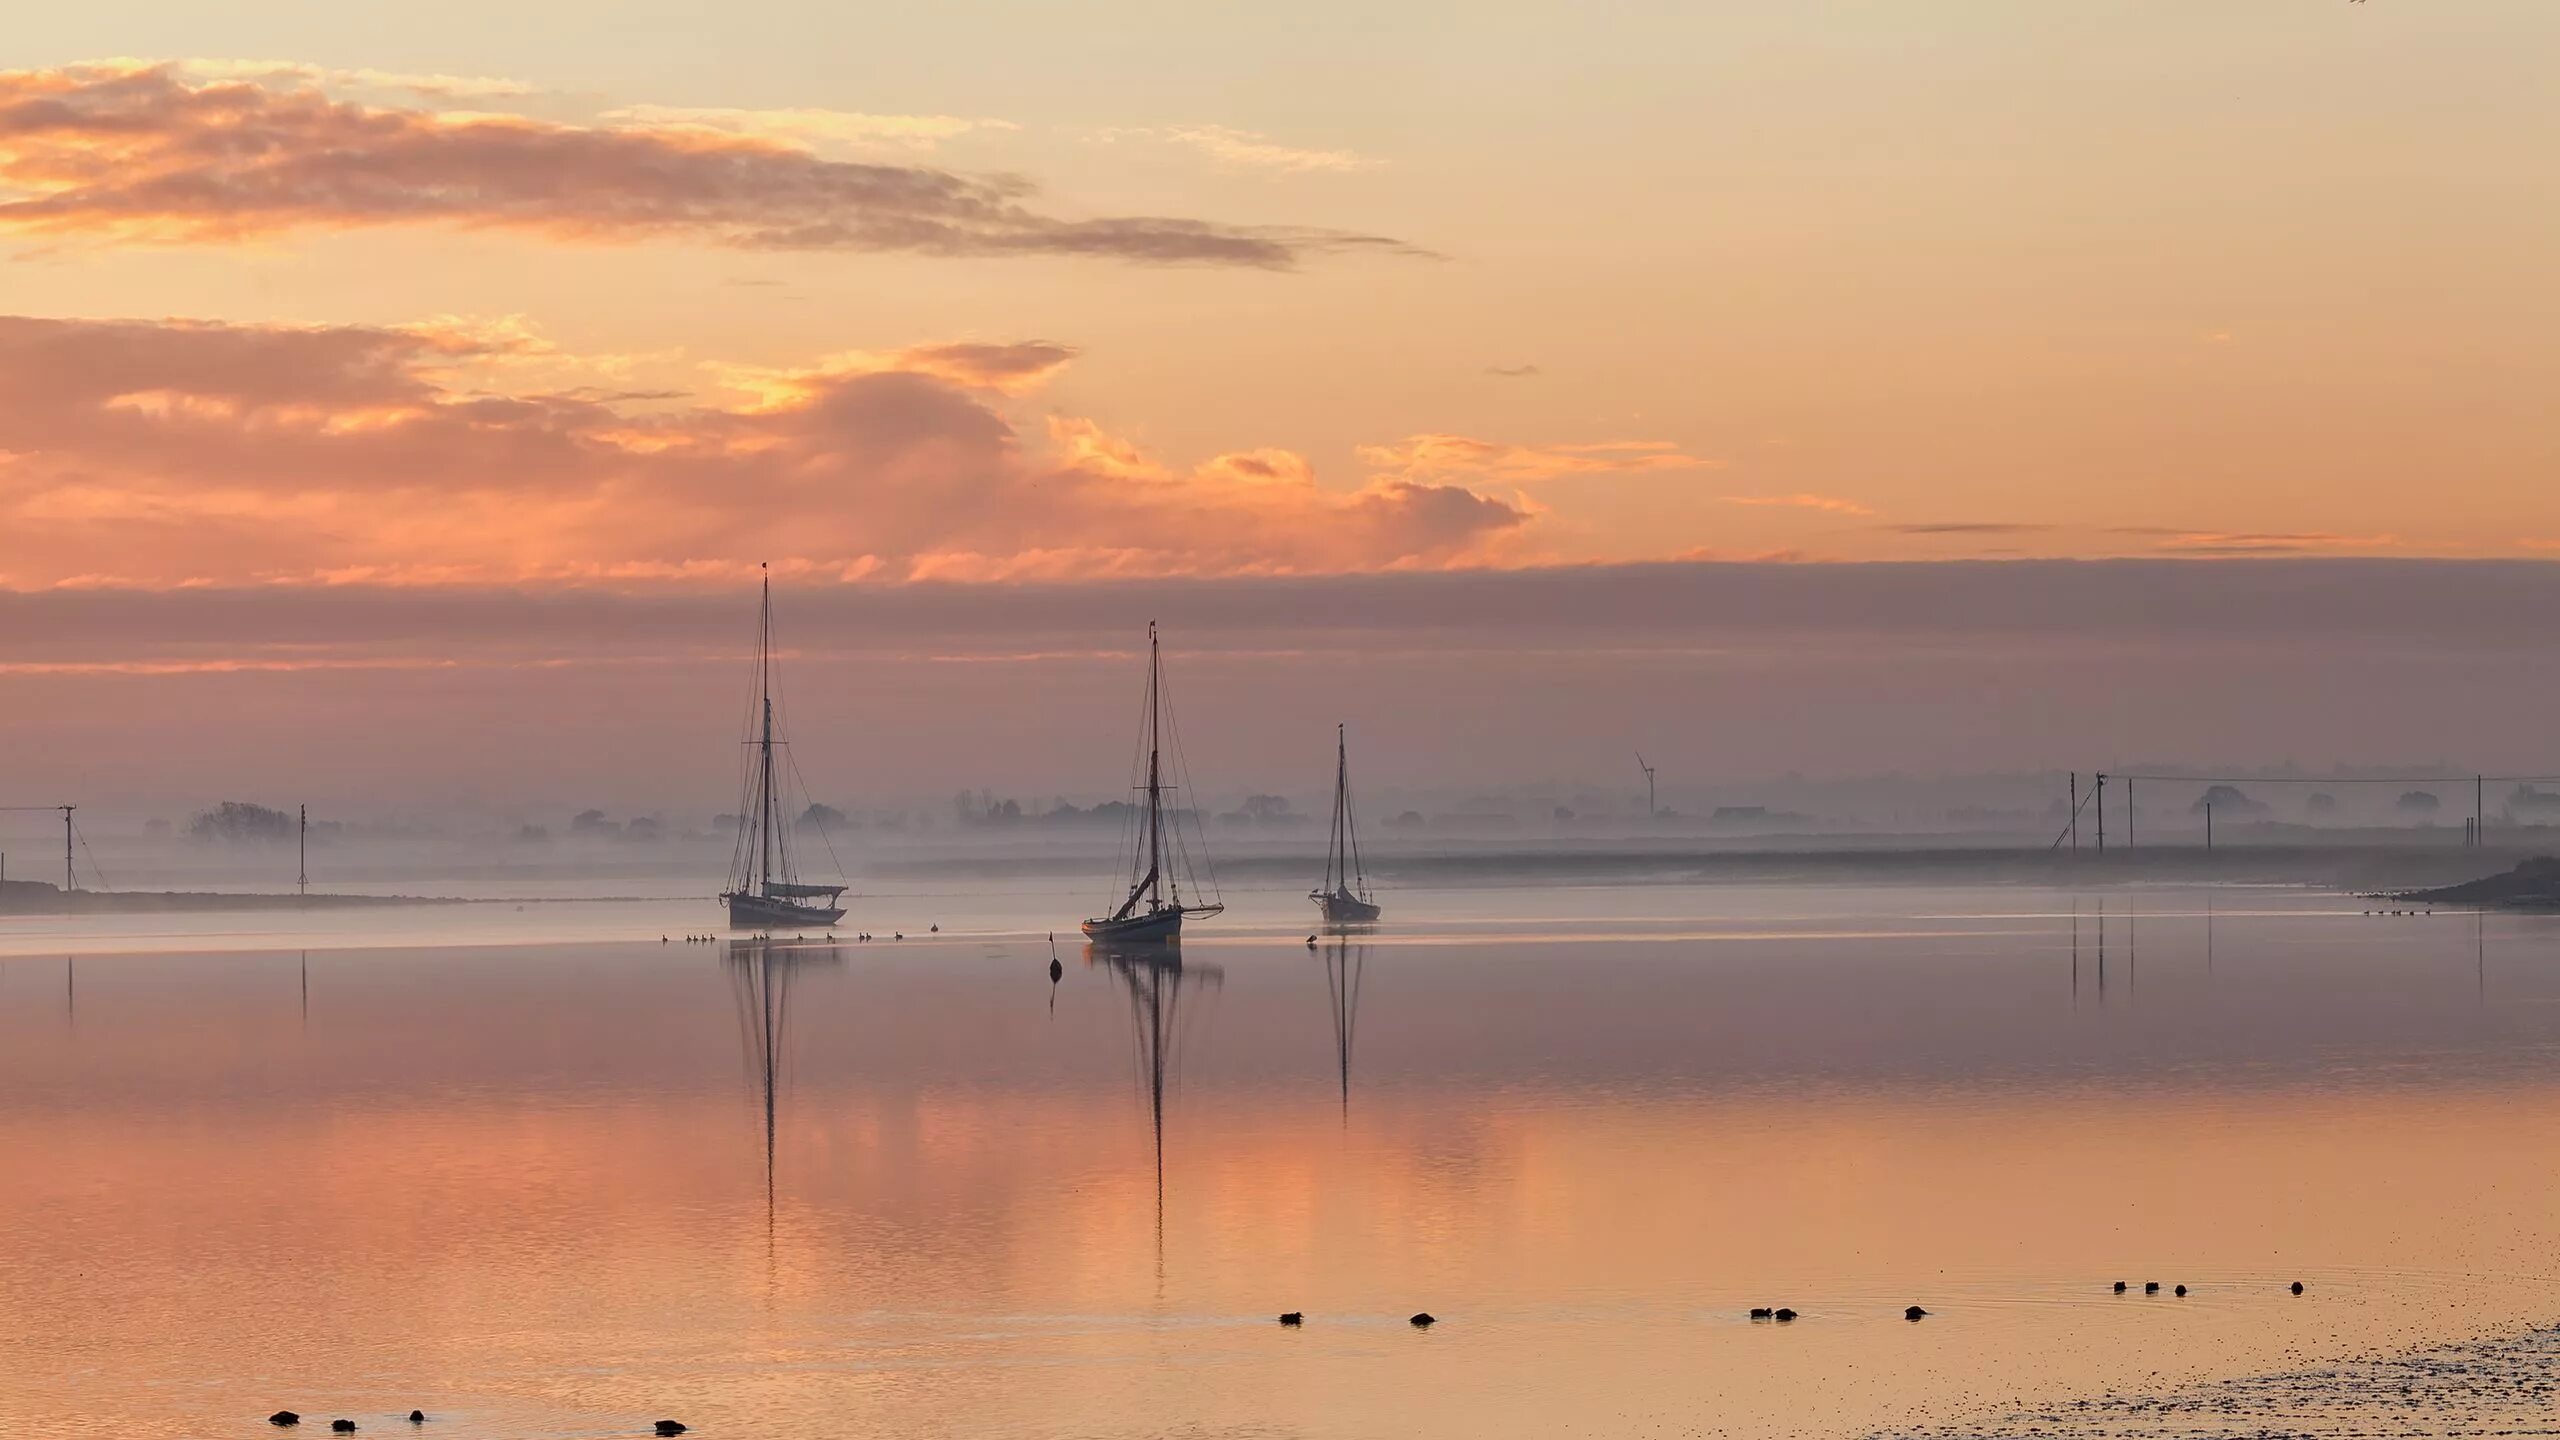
x=2128 y=812
x=2102 y=817
x=2479 y=810
x=2075 y=810
x=2208 y=824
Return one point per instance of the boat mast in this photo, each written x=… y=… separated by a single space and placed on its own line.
x=1336 y=852
x=764 y=779
x=1155 y=777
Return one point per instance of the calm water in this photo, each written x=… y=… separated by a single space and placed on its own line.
x=565 y=1188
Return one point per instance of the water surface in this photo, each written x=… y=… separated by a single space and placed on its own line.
x=564 y=1188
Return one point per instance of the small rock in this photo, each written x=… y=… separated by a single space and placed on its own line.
x=1426 y=1318
x=1761 y=1312
x=1785 y=1315
x=676 y=1427
x=284 y=1417
x=2297 y=1287
x=1293 y=1318
x=1915 y=1313
x=2182 y=1292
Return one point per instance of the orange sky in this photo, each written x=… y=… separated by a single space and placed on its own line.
x=1831 y=282
x=450 y=300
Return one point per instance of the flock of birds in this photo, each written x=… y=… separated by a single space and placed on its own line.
x=283 y=1418
x=1781 y=1314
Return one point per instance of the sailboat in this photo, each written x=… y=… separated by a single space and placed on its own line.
x=765 y=890
x=1344 y=895
x=1153 y=910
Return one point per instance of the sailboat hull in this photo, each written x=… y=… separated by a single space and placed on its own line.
x=1341 y=909
x=1137 y=929
x=761 y=912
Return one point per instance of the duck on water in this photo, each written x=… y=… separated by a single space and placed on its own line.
x=765 y=890
x=1153 y=909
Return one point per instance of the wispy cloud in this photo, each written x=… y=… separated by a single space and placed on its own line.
x=2225 y=542
x=836 y=127
x=426 y=86
x=1831 y=504
x=1243 y=149
x=1454 y=456
x=1969 y=527
x=106 y=154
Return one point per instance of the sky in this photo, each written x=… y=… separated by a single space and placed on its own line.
x=332 y=317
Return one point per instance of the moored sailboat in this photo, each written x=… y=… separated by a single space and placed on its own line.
x=1153 y=909
x=765 y=890
x=1343 y=896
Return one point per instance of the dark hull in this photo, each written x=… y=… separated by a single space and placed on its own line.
x=757 y=912
x=1162 y=925
x=1341 y=909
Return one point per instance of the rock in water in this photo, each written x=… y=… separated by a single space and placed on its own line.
x=1426 y=1318
x=1293 y=1318
x=343 y=1427
x=417 y=1417
x=672 y=1427
x=284 y=1417
x=1785 y=1315
x=1915 y=1313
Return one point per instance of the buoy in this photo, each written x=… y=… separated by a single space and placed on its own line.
x=1914 y=1313
x=1292 y=1317
x=1426 y=1318
x=1055 y=969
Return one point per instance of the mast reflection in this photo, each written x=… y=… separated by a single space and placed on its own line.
x=1155 y=979
x=761 y=973
x=1343 y=966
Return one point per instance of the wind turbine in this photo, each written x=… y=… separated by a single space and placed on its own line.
x=1649 y=810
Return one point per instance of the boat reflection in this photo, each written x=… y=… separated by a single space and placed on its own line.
x=1343 y=965
x=761 y=973
x=1155 y=978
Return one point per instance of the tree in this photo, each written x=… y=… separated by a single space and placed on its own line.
x=2226 y=800
x=238 y=820
x=1266 y=807
x=2418 y=802
x=821 y=817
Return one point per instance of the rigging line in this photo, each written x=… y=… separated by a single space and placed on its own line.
x=820 y=821
x=2065 y=833
x=2339 y=779
x=1182 y=768
x=95 y=872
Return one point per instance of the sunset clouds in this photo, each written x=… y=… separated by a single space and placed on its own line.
x=177 y=453
x=113 y=154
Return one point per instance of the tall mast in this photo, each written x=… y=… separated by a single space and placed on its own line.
x=1337 y=851
x=1155 y=778
x=302 y=851
x=69 y=883
x=764 y=781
